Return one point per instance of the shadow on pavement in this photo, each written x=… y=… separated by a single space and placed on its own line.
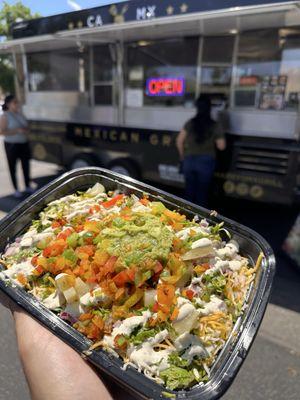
x=273 y=222
x=7 y=203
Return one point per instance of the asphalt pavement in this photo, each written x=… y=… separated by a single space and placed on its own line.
x=271 y=370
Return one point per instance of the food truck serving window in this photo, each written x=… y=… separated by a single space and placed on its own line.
x=216 y=66
x=103 y=75
x=268 y=70
x=167 y=64
x=47 y=70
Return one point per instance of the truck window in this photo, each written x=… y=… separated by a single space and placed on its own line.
x=258 y=70
x=47 y=70
x=216 y=66
x=167 y=64
x=103 y=75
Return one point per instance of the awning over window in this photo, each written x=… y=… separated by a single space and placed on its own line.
x=212 y=22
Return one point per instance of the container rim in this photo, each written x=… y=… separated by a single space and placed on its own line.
x=223 y=377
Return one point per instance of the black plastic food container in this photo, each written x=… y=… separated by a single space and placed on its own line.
x=237 y=347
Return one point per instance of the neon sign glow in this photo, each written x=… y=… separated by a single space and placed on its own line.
x=171 y=86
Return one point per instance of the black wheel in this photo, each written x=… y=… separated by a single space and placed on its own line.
x=83 y=160
x=124 y=167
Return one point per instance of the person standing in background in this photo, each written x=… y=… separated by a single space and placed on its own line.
x=196 y=144
x=14 y=128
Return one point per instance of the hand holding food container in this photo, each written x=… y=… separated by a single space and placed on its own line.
x=154 y=291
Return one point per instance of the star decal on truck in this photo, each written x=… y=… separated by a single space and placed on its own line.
x=184 y=7
x=170 y=10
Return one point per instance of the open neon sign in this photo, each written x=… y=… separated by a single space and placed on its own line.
x=171 y=86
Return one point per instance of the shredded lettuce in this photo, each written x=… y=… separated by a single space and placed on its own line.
x=177 y=378
x=177 y=361
x=142 y=335
x=214 y=284
x=102 y=312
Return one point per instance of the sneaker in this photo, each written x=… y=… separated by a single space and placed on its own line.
x=29 y=190
x=17 y=195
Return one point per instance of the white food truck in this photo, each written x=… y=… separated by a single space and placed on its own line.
x=113 y=85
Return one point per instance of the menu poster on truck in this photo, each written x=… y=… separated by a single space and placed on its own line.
x=272 y=93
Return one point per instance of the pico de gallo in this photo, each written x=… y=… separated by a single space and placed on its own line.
x=136 y=278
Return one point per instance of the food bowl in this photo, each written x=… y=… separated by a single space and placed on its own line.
x=245 y=329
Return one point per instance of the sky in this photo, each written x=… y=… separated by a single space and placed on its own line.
x=50 y=7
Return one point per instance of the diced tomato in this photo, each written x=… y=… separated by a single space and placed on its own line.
x=131 y=273
x=47 y=252
x=109 y=265
x=157 y=271
x=42 y=261
x=61 y=263
x=39 y=270
x=94 y=209
x=88 y=249
x=155 y=307
x=79 y=228
x=190 y=294
x=92 y=279
x=76 y=270
x=158 y=268
x=113 y=201
x=65 y=233
x=58 y=223
x=122 y=278
x=107 y=268
x=34 y=261
x=55 y=249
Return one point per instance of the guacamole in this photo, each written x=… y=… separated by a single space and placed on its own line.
x=142 y=237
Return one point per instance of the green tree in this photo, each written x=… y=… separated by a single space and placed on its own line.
x=8 y=15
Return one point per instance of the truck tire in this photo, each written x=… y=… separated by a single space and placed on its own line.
x=82 y=161
x=124 y=167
